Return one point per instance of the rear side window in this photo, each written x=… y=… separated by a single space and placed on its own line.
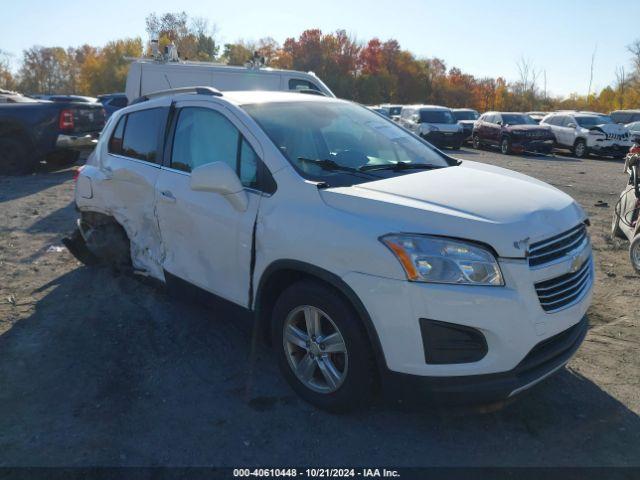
x=142 y=134
x=115 y=142
x=299 y=84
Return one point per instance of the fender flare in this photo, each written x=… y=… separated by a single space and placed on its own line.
x=336 y=282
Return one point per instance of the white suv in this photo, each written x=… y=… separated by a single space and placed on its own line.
x=586 y=132
x=435 y=124
x=367 y=256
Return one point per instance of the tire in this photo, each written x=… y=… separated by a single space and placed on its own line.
x=616 y=231
x=580 y=149
x=14 y=157
x=505 y=146
x=634 y=253
x=337 y=381
x=475 y=142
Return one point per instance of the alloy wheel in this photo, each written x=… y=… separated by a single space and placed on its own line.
x=315 y=349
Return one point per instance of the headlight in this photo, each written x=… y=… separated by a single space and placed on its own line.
x=442 y=260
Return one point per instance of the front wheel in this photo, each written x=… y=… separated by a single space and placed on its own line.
x=580 y=149
x=475 y=141
x=505 y=146
x=322 y=348
x=634 y=253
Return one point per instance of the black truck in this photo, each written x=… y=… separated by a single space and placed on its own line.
x=32 y=131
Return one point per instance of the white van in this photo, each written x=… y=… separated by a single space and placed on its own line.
x=147 y=76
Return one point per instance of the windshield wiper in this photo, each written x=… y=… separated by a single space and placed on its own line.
x=329 y=165
x=399 y=166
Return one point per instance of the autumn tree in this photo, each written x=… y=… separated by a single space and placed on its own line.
x=7 y=81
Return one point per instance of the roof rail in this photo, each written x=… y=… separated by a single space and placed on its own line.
x=173 y=91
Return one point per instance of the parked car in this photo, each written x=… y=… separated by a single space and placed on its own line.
x=583 y=133
x=466 y=117
x=147 y=76
x=393 y=111
x=435 y=124
x=378 y=109
x=55 y=131
x=634 y=131
x=365 y=254
x=8 y=96
x=112 y=102
x=625 y=116
x=512 y=132
x=537 y=116
x=66 y=98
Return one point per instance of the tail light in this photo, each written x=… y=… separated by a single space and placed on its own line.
x=76 y=174
x=635 y=149
x=66 y=120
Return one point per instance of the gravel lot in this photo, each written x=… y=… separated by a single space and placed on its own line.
x=99 y=368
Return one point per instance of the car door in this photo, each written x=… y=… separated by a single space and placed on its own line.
x=566 y=131
x=131 y=168
x=206 y=240
x=493 y=129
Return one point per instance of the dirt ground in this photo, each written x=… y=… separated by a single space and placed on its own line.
x=103 y=369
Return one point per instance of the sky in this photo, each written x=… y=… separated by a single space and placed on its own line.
x=484 y=38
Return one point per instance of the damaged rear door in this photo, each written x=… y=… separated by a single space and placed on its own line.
x=206 y=240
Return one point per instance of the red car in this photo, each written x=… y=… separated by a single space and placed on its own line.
x=512 y=132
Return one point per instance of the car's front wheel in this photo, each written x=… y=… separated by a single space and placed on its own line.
x=322 y=348
x=580 y=149
x=475 y=141
x=505 y=146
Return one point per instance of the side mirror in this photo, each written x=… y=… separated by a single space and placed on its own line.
x=218 y=177
x=499 y=122
x=571 y=125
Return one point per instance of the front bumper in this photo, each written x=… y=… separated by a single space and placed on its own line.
x=445 y=139
x=540 y=146
x=510 y=318
x=545 y=359
x=86 y=141
x=611 y=149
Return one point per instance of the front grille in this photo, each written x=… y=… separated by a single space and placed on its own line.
x=617 y=136
x=561 y=292
x=557 y=247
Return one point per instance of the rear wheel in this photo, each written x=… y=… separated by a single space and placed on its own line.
x=63 y=158
x=322 y=348
x=580 y=148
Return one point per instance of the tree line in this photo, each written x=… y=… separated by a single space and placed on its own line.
x=369 y=72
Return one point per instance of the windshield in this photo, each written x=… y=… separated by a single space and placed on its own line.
x=436 y=116
x=514 y=119
x=394 y=110
x=465 y=115
x=346 y=135
x=592 y=121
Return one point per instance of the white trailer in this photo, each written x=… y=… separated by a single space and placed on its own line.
x=147 y=76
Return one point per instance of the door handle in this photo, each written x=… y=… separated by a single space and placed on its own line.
x=167 y=196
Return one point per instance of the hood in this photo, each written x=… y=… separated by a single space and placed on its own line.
x=611 y=128
x=474 y=201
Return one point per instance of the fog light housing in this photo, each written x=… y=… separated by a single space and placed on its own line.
x=449 y=343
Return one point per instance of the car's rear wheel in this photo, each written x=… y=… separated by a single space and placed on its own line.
x=322 y=348
x=475 y=141
x=580 y=148
x=63 y=158
x=505 y=146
